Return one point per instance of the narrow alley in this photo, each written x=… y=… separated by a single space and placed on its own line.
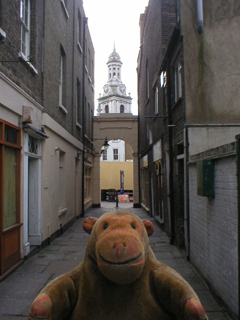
x=18 y=290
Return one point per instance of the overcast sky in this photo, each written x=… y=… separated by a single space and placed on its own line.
x=115 y=20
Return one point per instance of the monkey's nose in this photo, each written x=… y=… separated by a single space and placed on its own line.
x=119 y=249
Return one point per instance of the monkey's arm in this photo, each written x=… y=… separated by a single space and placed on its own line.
x=57 y=299
x=176 y=295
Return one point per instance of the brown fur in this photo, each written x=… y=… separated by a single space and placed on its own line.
x=119 y=278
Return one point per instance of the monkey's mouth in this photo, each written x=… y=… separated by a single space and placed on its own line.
x=120 y=263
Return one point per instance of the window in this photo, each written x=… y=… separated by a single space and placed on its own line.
x=150 y=136
x=147 y=80
x=79 y=28
x=91 y=125
x=115 y=154
x=178 y=81
x=10 y=146
x=156 y=100
x=79 y=115
x=88 y=120
x=89 y=62
x=64 y=5
x=62 y=80
x=122 y=109
x=25 y=27
x=92 y=76
x=87 y=182
x=104 y=155
x=33 y=145
x=106 y=109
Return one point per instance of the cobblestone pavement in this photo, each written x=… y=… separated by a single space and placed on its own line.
x=20 y=288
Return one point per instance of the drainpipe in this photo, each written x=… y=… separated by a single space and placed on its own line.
x=169 y=103
x=200 y=15
x=186 y=216
x=178 y=13
x=73 y=62
x=83 y=108
x=238 y=183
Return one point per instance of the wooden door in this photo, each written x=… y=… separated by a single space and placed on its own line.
x=10 y=146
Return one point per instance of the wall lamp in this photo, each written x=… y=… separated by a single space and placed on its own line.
x=105 y=144
x=79 y=152
x=57 y=149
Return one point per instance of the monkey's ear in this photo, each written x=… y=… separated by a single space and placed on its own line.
x=149 y=227
x=88 y=224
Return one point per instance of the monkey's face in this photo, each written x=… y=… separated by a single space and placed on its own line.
x=121 y=246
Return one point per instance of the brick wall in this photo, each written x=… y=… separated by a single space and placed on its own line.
x=61 y=31
x=213 y=231
x=19 y=71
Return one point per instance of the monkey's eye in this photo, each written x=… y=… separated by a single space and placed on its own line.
x=133 y=226
x=105 y=226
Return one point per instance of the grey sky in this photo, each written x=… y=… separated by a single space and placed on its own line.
x=115 y=20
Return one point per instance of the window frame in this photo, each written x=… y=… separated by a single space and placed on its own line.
x=62 y=81
x=78 y=104
x=104 y=155
x=156 y=100
x=79 y=31
x=115 y=154
x=25 y=28
x=177 y=81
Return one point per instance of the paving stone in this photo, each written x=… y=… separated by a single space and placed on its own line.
x=61 y=266
x=14 y=306
x=186 y=272
x=19 y=289
x=208 y=301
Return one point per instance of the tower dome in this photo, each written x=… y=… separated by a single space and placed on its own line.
x=114 y=98
x=114 y=56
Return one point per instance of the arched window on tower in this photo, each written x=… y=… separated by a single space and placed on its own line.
x=106 y=109
x=121 y=108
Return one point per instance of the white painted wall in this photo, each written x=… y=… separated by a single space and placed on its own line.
x=213 y=230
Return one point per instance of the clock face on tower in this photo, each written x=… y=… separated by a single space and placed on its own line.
x=122 y=88
x=106 y=88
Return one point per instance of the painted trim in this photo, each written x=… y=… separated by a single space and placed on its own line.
x=19 y=90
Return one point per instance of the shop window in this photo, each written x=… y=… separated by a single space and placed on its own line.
x=11 y=135
x=10 y=174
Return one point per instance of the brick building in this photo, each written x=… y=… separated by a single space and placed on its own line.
x=195 y=145
x=46 y=111
x=155 y=119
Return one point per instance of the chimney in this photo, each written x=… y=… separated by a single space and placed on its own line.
x=142 y=21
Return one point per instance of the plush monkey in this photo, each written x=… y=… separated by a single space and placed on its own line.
x=119 y=278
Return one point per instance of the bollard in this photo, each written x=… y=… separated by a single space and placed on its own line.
x=116 y=198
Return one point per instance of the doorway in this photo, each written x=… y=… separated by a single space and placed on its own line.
x=34 y=201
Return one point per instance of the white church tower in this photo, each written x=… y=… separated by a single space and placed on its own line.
x=114 y=98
